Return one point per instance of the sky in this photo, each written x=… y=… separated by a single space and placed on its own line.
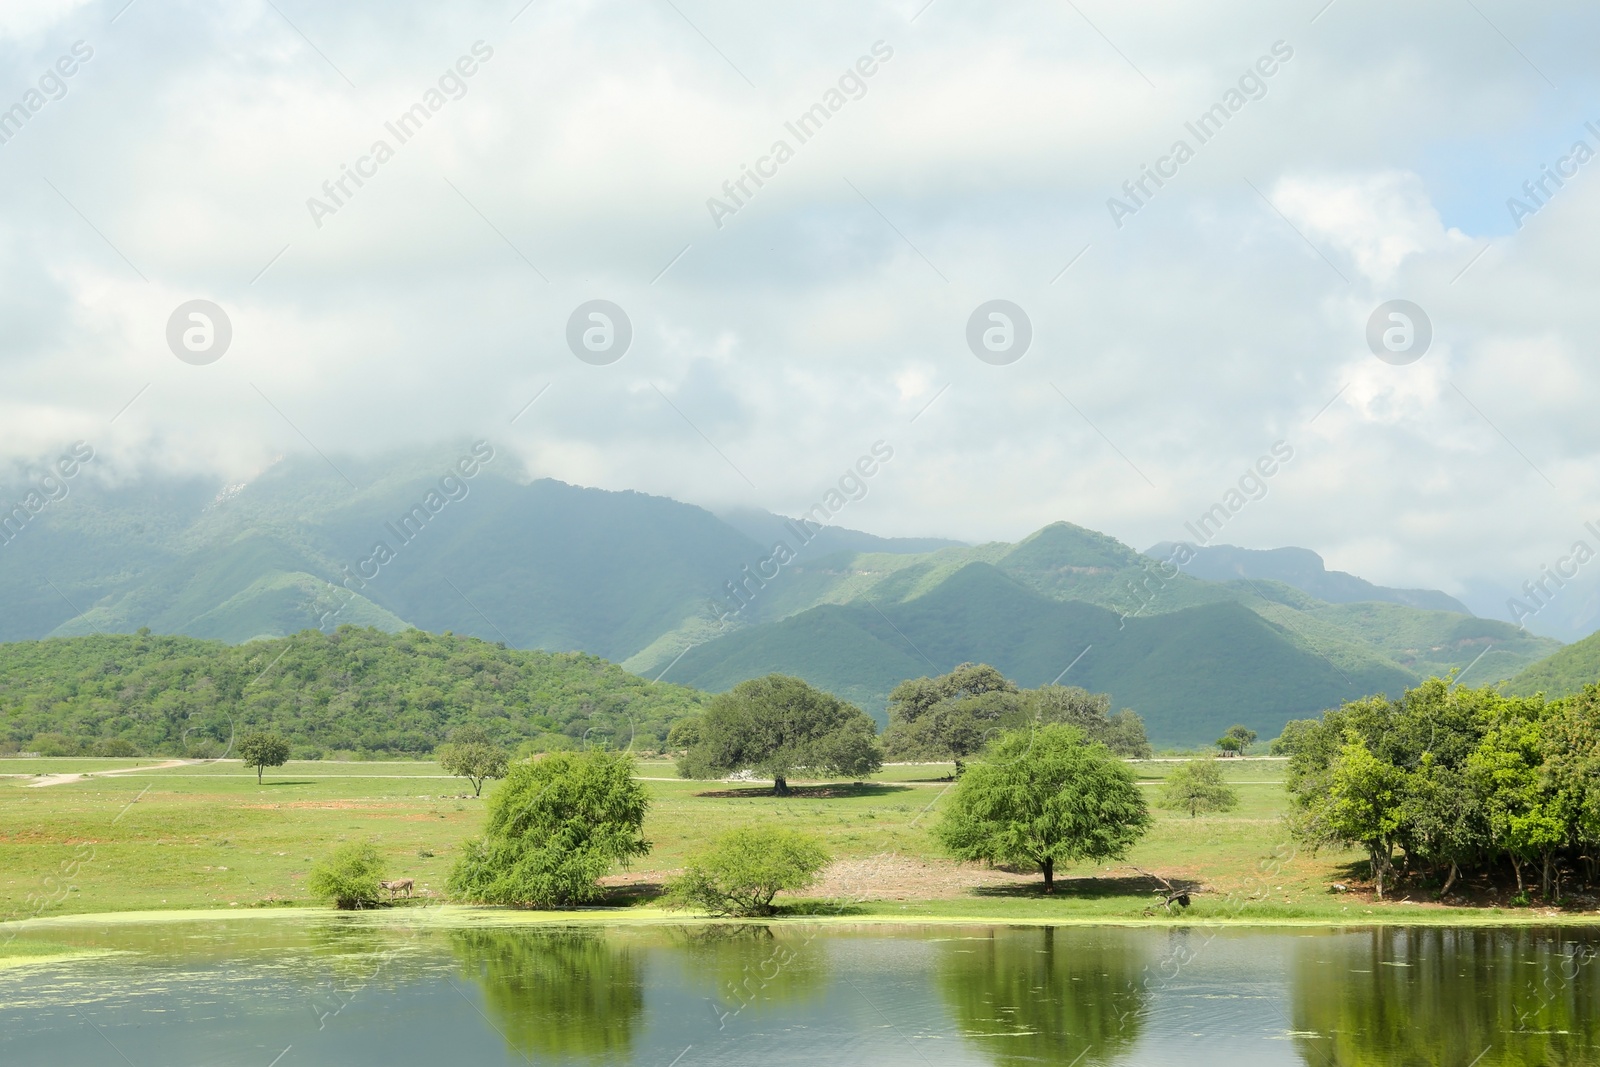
x=957 y=155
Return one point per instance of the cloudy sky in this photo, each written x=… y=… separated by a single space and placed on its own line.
x=775 y=337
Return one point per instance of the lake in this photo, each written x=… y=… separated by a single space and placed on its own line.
x=396 y=989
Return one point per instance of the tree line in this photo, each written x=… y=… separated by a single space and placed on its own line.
x=1448 y=783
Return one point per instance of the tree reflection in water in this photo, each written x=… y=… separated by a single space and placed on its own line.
x=1048 y=995
x=1417 y=995
x=556 y=993
x=750 y=967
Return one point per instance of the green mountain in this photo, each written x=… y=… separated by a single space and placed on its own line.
x=1563 y=673
x=1190 y=673
x=460 y=540
x=355 y=690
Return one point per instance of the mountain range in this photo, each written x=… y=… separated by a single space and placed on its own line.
x=462 y=541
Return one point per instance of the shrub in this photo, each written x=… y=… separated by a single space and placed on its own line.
x=745 y=869
x=349 y=877
x=1198 y=786
x=555 y=827
x=119 y=747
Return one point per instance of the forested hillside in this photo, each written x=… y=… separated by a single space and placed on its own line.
x=358 y=691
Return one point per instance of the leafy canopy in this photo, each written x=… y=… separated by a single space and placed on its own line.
x=1464 y=781
x=1044 y=797
x=555 y=826
x=955 y=715
x=471 y=755
x=262 y=750
x=742 y=872
x=779 y=727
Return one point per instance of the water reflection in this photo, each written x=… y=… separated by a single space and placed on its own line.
x=743 y=967
x=1447 y=996
x=556 y=993
x=1048 y=995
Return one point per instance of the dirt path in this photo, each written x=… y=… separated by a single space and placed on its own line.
x=62 y=779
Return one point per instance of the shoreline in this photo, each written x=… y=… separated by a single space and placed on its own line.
x=447 y=916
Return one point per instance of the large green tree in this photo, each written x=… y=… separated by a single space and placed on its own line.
x=555 y=827
x=1044 y=797
x=780 y=727
x=953 y=716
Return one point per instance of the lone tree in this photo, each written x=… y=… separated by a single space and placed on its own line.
x=471 y=755
x=262 y=750
x=1237 y=740
x=953 y=716
x=1198 y=786
x=780 y=726
x=1044 y=797
x=746 y=868
x=555 y=827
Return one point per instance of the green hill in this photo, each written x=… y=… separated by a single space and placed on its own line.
x=1562 y=674
x=355 y=690
x=1190 y=674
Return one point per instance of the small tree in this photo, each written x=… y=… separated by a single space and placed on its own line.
x=349 y=877
x=780 y=726
x=1237 y=740
x=471 y=755
x=555 y=827
x=746 y=868
x=1044 y=797
x=1198 y=786
x=262 y=750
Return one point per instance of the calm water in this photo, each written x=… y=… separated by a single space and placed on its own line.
x=355 y=992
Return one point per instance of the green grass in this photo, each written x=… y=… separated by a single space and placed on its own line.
x=207 y=836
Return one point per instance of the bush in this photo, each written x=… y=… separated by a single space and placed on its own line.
x=555 y=827
x=55 y=745
x=746 y=868
x=1198 y=786
x=116 y=747
x=349 y=877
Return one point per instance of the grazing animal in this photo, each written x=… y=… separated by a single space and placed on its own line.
x=397 y=885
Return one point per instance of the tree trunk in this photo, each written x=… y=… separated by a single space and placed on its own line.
x=1380 y=866
x=1544 y=877
x=1516 y=865
x=780 y=786
x=258 y=774
x=1049 y=867
x=477 y=786
x=1450 y=881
